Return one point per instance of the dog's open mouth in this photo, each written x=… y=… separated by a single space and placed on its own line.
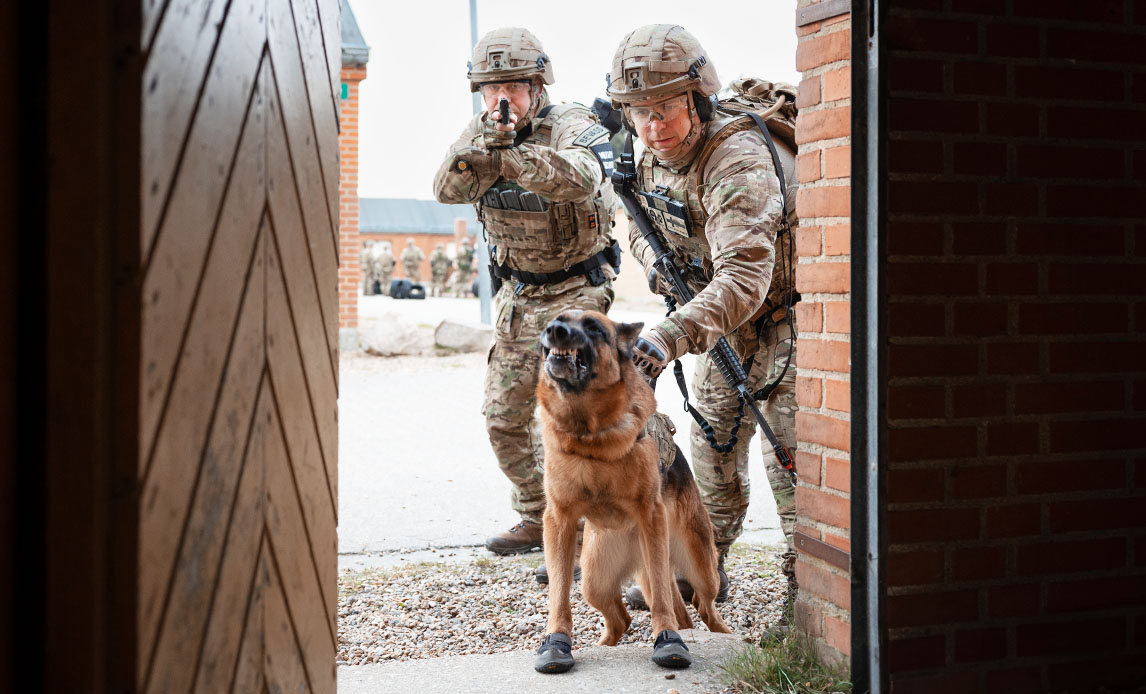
x=565 y=363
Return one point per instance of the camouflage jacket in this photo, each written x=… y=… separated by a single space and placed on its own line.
x=412 y=256
x=728 y=237
x=440 y=262
x=554 y=162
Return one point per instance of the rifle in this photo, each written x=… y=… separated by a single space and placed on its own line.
x=625 y=182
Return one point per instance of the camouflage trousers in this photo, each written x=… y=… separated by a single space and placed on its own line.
x=723 y=477
x=462 y=283
x=511 y=379
x=413 y=273
x=384 y=281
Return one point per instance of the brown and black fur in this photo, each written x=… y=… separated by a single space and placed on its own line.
x=642 y=518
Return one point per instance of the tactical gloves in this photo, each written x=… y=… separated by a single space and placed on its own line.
x=493 y=138
x=480 y=161
x=652 y=354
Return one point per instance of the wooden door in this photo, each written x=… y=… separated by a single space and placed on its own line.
x=239 y=346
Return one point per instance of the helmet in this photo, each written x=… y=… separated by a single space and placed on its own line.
x=509 y=53
x=660 y=60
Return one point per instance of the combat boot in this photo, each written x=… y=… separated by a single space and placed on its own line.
x=636 y=598
x=523 y=537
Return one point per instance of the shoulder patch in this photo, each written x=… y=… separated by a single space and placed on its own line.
x=592 y=134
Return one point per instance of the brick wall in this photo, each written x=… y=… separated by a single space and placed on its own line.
x=823 y=316
x=1016 y=242
x=350 y=248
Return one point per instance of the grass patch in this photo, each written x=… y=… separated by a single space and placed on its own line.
x=785 y=666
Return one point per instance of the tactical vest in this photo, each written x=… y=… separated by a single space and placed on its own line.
x=682 y=224
x=536 y=235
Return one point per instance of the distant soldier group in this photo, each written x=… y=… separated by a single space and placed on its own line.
x=378 y=265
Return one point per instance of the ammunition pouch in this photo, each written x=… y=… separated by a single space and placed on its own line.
x=592 y=268
x=508 y=196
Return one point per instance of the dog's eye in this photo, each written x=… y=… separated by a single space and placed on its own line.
x=594 y=328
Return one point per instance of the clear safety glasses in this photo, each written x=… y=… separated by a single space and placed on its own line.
x=508 y=89
x=668 y=109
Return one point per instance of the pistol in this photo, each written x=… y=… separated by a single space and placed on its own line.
x=503 y=110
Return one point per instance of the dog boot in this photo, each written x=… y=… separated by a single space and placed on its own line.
x=542 y=574
x=556 y=654
x=523 y=537
x=670 y=651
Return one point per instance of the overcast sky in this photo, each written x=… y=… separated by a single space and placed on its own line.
x=416 y=99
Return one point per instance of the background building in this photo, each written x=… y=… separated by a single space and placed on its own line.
x=428 y=222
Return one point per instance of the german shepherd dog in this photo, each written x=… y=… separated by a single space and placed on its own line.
x=643 y=515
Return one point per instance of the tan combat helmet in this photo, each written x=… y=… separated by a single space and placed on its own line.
x=660 y=60
x=509 y=53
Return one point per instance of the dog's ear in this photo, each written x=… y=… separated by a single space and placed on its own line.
x=627 y=335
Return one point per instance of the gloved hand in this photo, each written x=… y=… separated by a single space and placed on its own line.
x=479 y=161
x=496 y=135
x=652 y=353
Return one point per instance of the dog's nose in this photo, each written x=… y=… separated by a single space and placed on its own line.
x=556 y=330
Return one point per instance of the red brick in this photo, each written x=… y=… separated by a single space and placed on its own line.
x=824 y=201
x=1062 y=638
x=912 y=74
x=838 y=84
x=915 y=402
x=1012 y=119
x=1122 y=673
x=930 y=279
x=931 y=35
x=1045 y=161
x=905 y=361
x=808 y=166
x=979 y=400
x=1098 y=514
x=1096 y=435
x=980 y=158
x=914 y=568
x=1069 y=476
x=809 y=619
x=838 y=474
x=831 y=278
x=807 y=467
x=1078 y=396
x=1045 y=82
x=808 y=240
x=932 y=197
x=1010 y=199
x=1073 y=318
x=1012 y=40
x=915 y=156
x=941 y=525
x=917 y=653
x=837 y=162
x=838 y=634
x=978 y=563
x=1012 y=358
x=810 y=316
x=916 y=320
x=932 y=116
x=931 y=443
x=949 y=682
x=981 y=319
x=987 y=79
x=1118 y=124
x=1013 y=600
x=913 y=485
x=837 y=395
x=1044 y=559
x=1093 y=594
x=837 y=541
x=978 y=481
x=807 y=29
x=837 y=317
x=825 y=124
x=1017 y=680
x=1093 y=11
x=1012 y=438
x=829 y=355
x=914 y=238
x=931 y=609
x=975 y=645
x=824 y=584
x=1013 y=520
x=1097 y=357
x=1076 y=44
x=809 y=392
x=1012 y=278
x=808 y=93
x=821 y=50
x=828 y=431
x=1092 y=279
x=826 y=508
x=979 y=238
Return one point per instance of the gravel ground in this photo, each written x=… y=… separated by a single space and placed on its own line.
x=494 y=605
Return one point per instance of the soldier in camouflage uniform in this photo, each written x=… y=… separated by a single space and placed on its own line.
x=386 y=265
x=370 y=268
x=440 y=264
x=412 y=258
x=539 y=184
x=465 y=268
x=726 y=232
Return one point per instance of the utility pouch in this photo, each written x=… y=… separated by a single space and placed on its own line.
x=666 y=213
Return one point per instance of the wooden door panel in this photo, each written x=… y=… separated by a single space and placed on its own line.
x=237 y=555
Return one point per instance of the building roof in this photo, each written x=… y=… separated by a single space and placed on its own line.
x=406 y=216
x=355 y=52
